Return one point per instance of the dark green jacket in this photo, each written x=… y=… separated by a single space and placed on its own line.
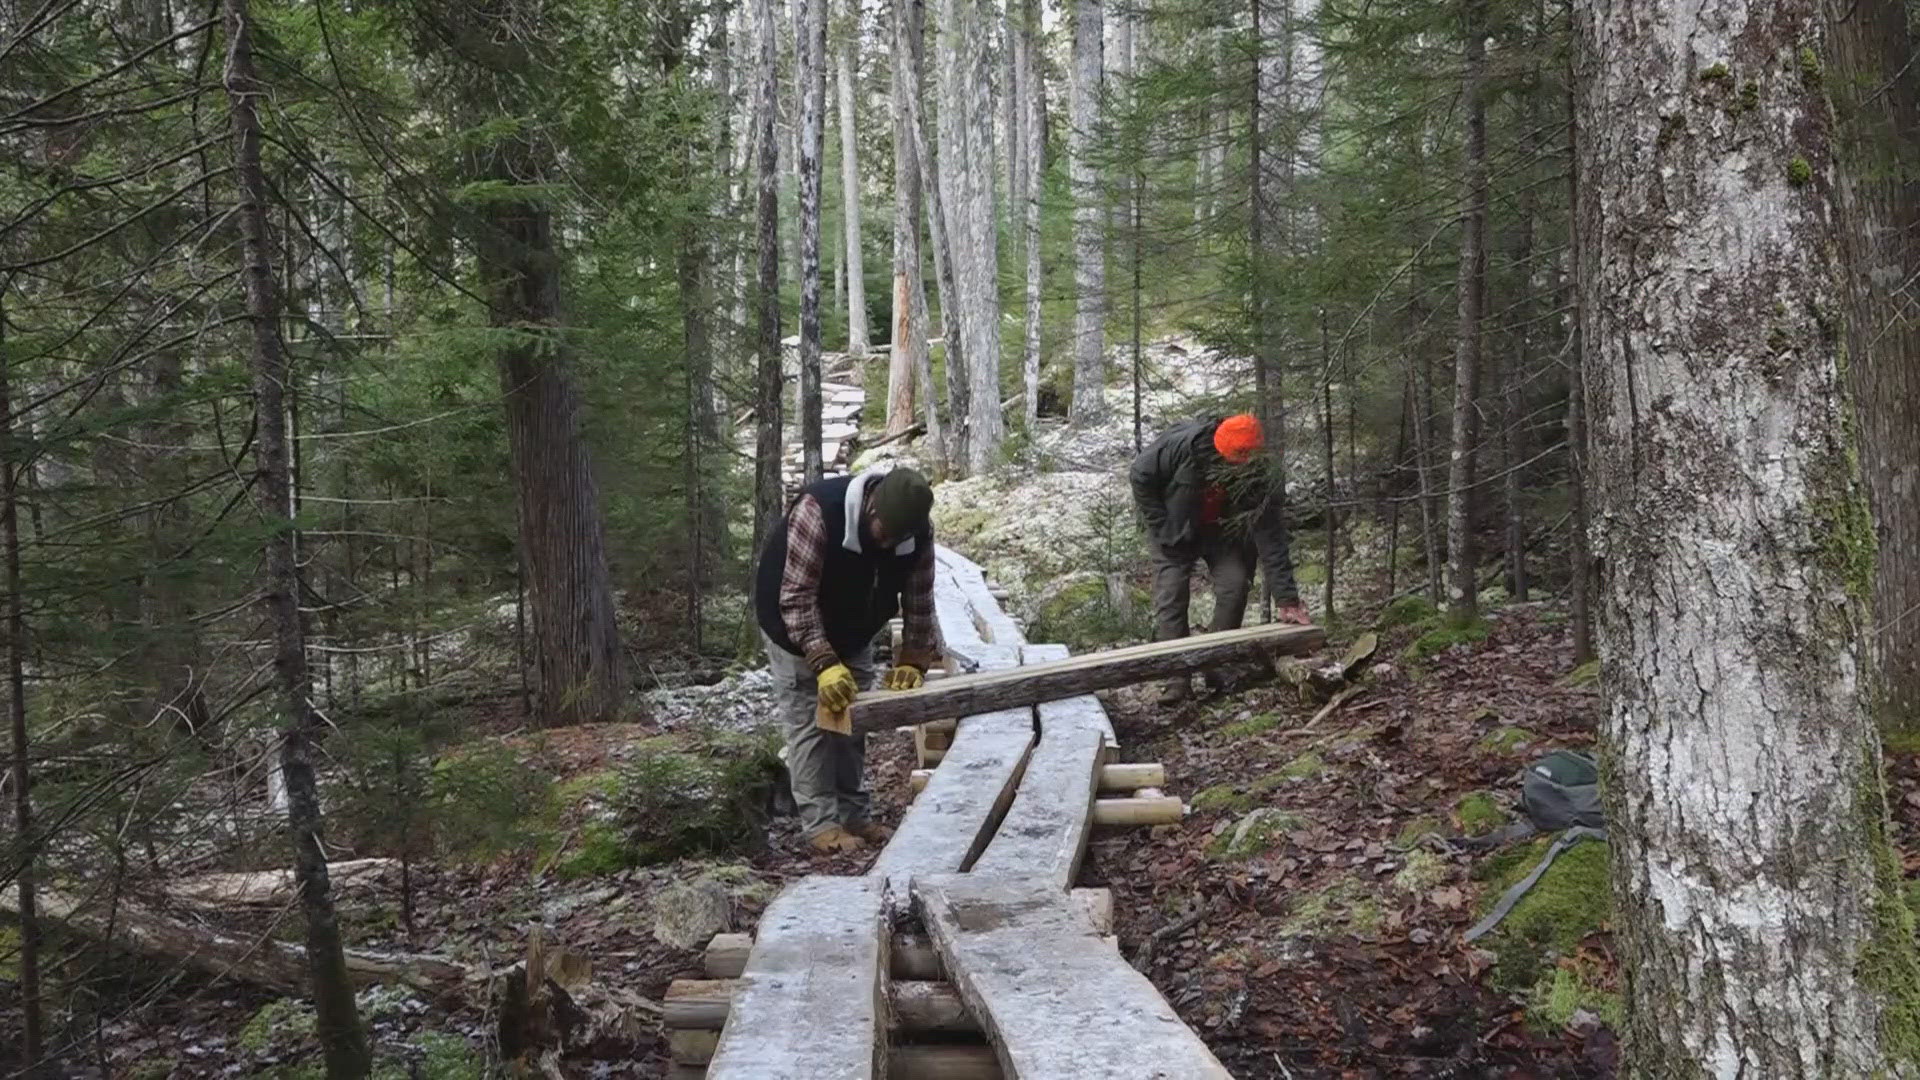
x=1168 y=479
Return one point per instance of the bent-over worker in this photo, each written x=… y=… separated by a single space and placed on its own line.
x=1205 y=491
x=852 y=552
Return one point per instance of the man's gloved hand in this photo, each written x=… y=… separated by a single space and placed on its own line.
x=903 y=677
x=837 y=688
x=1295 y=613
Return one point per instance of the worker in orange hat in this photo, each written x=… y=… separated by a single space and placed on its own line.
x=1206 y=491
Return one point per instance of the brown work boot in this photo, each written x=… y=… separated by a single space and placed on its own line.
x=871 y=831
x=833 y=839
x=1175 y=691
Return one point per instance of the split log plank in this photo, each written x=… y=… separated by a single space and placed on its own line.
x=1054 y=1000
x=911 y=954
x=259 y=961
x=934 y=1061
x=948 y=826
x=822 y=951
x=1044 y=835
x=966 y=695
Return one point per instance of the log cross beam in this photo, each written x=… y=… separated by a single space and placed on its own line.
x=1033 y=684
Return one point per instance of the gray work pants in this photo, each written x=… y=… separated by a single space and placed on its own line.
x=1230 y=564
x=828 y=769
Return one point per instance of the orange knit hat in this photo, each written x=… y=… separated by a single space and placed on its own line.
x=1238 y=437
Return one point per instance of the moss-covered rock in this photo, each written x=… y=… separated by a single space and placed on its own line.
x=1570 y=901
x=1304 y=767
x=1254 y=834
x=1478 y=813
x=1347 y=905
x=1407 y=611
x=1506 y=740
x=1438 y=640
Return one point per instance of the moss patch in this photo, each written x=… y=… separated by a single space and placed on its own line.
x=1889 y=962
x=1423 y=871
x=1440 y=639
x=1417 y=830
x=1799 y=172
x=1562 y=992
x=1506 y=740
x=1346 y=905
x=1585 y=675
x=280 y=1024
x=1257 y=724
x=1478 y=813
x=1304 y=767
x=1572 y=899
x=1407 y=611
x=1222 y=797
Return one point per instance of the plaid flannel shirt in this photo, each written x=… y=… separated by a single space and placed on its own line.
x=807 y=538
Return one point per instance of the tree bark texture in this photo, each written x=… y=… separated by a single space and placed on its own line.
x=1463 y=601
x=1875 y=89
x=1033 y=92
x=857 y=342
x=769 y=498
x=810 y=91
x=967 y=171
x=1579 y=464
x=343 y=1042
x=1761 y=922
x=1089 y=215
x=909 y=287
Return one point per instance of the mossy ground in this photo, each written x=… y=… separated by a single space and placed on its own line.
x=1570 y=901
x=1478 y=813
x=1347 y=905
x=1506 y=740
x=1433 y=642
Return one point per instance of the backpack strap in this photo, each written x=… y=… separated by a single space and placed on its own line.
x=1512 y=896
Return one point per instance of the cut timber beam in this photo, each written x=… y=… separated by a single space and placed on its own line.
x=948 y=826
x=1131 y=776
x=1154 y=810
x=934 y=1061
x=917 y=1006
x=1045 y=833
x=1054 y=1000
x=966 y=695
x=822 y=952
x=911 y=955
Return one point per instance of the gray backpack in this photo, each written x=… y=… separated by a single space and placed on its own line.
x=1560 y=792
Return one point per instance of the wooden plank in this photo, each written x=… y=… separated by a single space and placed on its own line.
x=911 y=955
x=1052 y=653
x=948 y=826
x=1055 y=1000
x=1030 y=685
x=932 y=1061
x=821 y=951
x=1127 y=776
x=1045 y=832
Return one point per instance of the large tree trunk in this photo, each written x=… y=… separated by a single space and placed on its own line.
x=909 y=333
x=1760 y=915
x=21 y=862
x=1089 y=241
x=1033 y=92
x=967 y=160
x=769 y=498
x=1876 y=99
x=337 y=1021
x=1463 y=602
x=810 y=91
x=850 y=196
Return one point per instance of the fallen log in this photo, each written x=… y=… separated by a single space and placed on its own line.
x=1018 y=687
x=260 y=961
x=273 y=886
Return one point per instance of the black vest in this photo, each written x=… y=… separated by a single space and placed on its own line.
x=859 y=591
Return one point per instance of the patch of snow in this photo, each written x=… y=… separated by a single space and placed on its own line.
x=739 y=703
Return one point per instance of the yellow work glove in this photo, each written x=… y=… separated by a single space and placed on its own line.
x=837 y=688
x=903 y=677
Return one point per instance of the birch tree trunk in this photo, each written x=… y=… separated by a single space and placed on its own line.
x=857 y=343
x=1033 y=92
x=1463 y=602
x=810 y=91
x=1761 y=921
x=1876 y=97
x=909 y=286
x=967 y=160
x=343 y=1041
x=953 y=450
x=1089 y=241
x=769 y=497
